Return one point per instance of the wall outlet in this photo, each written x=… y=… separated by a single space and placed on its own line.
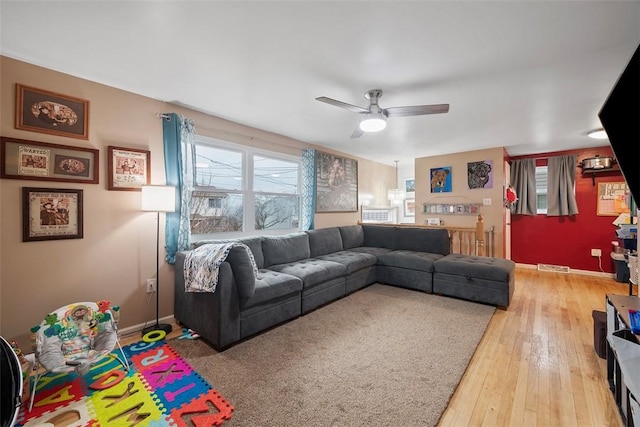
x=151 y=285
x=486 y=202
x=596 y=252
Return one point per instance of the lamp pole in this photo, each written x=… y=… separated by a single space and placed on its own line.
x=155 y=202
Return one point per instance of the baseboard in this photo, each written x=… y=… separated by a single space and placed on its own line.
x=130 y=330
x=573 y=271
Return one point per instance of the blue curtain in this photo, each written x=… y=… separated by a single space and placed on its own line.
x=178 y=133
x=308 y=188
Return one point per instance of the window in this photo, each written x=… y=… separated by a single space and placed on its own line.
x=541 y=189
x=241 y=189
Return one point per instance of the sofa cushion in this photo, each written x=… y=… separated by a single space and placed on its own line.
x=483 y=267
x=312 y=271
x=423 y=240
x=380 y=236
x=352 y=236
x=324 y=241
x=255 y=244
x=272 y=285
x=285 y=249
x=242 y=268
x=422 y=261
x=354 y=261
x=370 y=250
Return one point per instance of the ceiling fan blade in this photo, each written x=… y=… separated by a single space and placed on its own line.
x=357 y=132
x=341 y=104
x=416 y=110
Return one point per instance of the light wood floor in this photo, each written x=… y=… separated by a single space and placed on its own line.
x=536 y=364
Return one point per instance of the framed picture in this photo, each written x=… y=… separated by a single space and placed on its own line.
x=129 y=168
x=409 y=207
x=613 y=198
x=51 y=214
x=480 y=174
x=336 y=184
x=410 y=188
x=441 y=180
x=22 y=159
x=39 y=110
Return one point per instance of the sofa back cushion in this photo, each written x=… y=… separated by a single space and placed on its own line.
x=324 y=241
x=380 y=236
x=242 y=268
x=285 y=249
x=435 y=241
x=255 y=244
x=352 y=236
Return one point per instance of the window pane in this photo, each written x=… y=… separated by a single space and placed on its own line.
x=218 y=168
x=276 y=212
x=216 y=212
x=542 y=203
x=274 y=175
x=541 y=189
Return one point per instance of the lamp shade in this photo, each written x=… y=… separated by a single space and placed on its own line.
x=374 y=122
x=158 y=198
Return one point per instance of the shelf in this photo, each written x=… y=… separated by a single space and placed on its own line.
x=451 y=208
x=593 y=172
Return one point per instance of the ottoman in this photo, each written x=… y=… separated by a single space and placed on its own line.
x=487 y=280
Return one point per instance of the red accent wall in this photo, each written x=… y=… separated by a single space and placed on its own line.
x=568 y=240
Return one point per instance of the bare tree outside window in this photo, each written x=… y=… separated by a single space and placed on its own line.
x=239 y=190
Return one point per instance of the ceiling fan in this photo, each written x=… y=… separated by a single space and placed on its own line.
x=374 y=118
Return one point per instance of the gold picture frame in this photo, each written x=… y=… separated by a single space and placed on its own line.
x=43 y=111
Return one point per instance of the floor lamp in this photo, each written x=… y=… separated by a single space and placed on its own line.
x=158 y=198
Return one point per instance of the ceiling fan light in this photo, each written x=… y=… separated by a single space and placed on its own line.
x=598 y=134
x=373 y=122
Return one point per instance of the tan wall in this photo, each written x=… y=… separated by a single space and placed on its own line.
x=492 y=215
x=117 y=253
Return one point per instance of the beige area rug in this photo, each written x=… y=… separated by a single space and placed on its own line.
x=383 y=356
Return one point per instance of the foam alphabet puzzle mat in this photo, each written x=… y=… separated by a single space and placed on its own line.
x=160 y=389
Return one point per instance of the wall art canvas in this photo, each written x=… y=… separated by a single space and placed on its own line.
x=441 y=180
x=336 y=184
x=480 y=174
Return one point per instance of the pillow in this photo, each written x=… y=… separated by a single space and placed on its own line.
x=285 y=249
x=324 y=241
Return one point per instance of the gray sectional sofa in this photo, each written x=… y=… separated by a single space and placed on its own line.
x=300 y=272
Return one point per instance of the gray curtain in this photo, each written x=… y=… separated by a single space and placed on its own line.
x=523 y=181
x=561 y=199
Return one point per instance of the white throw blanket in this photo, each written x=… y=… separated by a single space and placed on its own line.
x=201 y=265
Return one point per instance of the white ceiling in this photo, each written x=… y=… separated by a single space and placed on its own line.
x=529 y=76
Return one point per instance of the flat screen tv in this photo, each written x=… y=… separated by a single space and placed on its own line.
x=620 y=118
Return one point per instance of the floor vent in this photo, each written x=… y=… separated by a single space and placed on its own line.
x=554 y=268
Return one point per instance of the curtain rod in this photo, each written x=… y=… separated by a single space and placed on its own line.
x=239 y=135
